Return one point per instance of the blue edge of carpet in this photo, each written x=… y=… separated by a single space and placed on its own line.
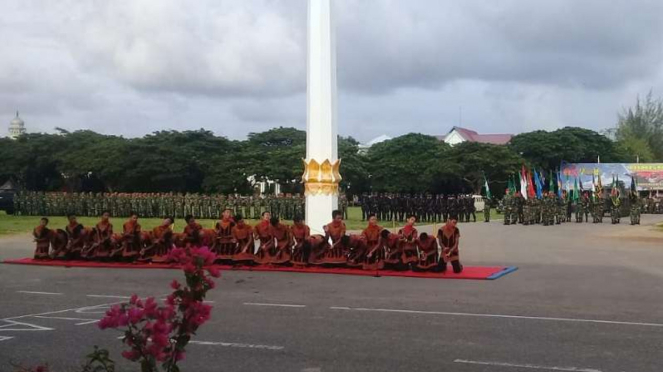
x=500 y=274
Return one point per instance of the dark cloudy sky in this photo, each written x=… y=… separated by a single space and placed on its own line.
x=238 y=66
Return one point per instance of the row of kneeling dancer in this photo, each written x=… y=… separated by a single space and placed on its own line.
x=268 y=243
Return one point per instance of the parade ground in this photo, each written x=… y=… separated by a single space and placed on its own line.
x=585 y=298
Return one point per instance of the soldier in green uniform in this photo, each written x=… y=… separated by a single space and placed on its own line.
x=615 y=204
x=506 y=202
x=486 y=209
x=257 y=207
x=634 y=198
x=578 y=209
x=527 y=212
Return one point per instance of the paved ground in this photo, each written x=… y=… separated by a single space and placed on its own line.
x=586 y=298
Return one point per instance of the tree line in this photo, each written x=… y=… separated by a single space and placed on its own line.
x=201 y=162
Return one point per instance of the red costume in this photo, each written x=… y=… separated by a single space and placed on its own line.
x=394 y=251
x=131 y=239
x=162 y=243
x=266 y=251
x=75 y=241
x=374 y=250
x=243 y=235
x=281 y=234
x=428 y=255
x=192 y=235
x=301 y=235
x=449 y=237
x=338 y=251
x=225 y=244
x=408 y=240
x=43 y=237
x=102 y=245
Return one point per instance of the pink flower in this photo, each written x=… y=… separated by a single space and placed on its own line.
x=214 y=271
x=175 y=285
x=135 y=315
x=132 y=355
x=189 y=268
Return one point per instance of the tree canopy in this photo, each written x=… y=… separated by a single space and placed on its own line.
x=199 y=161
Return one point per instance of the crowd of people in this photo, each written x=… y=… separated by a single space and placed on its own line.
x=270 y=242
x=150 y=205
x=554 y=209
x=427 y=208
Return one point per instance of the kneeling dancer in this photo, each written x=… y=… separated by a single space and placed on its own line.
x=449 y=237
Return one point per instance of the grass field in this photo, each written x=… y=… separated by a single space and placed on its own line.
x=24 y=224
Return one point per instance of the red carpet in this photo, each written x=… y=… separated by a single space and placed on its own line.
x=469 y=272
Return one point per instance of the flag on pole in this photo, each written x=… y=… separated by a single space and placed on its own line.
x=485 y=184
x=537 y=181
x=523 y=182
x=559 y=183
x=575 y=190
x=530 y=186
x=633 y=186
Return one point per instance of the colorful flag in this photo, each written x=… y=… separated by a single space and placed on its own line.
x=530 y=186
x=633 y=186
x=575 y=190
x=559 y=183
x=523 y=182
x=537 y=181
x=551 y=186
x=485 y=184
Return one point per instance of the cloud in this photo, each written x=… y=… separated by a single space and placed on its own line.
x=132 y=67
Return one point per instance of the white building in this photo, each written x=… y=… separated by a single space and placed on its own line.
x=16 y=127
x=458 y=135
x=363 y=148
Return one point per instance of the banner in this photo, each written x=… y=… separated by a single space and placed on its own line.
x=648 y=176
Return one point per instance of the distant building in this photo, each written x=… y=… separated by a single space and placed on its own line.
x=363 y=148
x=458 y=135
x=16 y=127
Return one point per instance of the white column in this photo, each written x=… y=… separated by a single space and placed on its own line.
x=321 y=128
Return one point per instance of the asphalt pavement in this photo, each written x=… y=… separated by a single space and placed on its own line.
x=585 y=298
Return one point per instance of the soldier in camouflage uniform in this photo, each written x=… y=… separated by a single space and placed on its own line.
x=506 y=202
x=635 y=207
x=486 y=209
x=615 y=204
x=528 y=214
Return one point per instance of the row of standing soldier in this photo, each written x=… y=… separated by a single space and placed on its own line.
x=553 y=209
x=427 y=208
x=160 y=204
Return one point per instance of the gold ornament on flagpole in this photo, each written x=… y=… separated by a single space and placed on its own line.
x=321 y=179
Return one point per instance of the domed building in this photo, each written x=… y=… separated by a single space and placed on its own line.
x=16 y=127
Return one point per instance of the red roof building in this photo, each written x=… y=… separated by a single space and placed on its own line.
x=457 y=135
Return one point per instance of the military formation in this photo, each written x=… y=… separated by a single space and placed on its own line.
x=553 y=209
x=149 y=205
x=426 y=208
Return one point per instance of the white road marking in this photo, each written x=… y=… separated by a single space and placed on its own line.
x=107 y=296
x=41 y=293
x=276 y=305
x=89 y=322
x=60 y=318
x=529 y=366
x=31 y=327
x=596 y=321
x=238 y=345
x=5 y=338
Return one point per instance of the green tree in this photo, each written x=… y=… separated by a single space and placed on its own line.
x=474 y=159
x=639 y=130
x=576 y=145
x=277 y=155
x=411 y=163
